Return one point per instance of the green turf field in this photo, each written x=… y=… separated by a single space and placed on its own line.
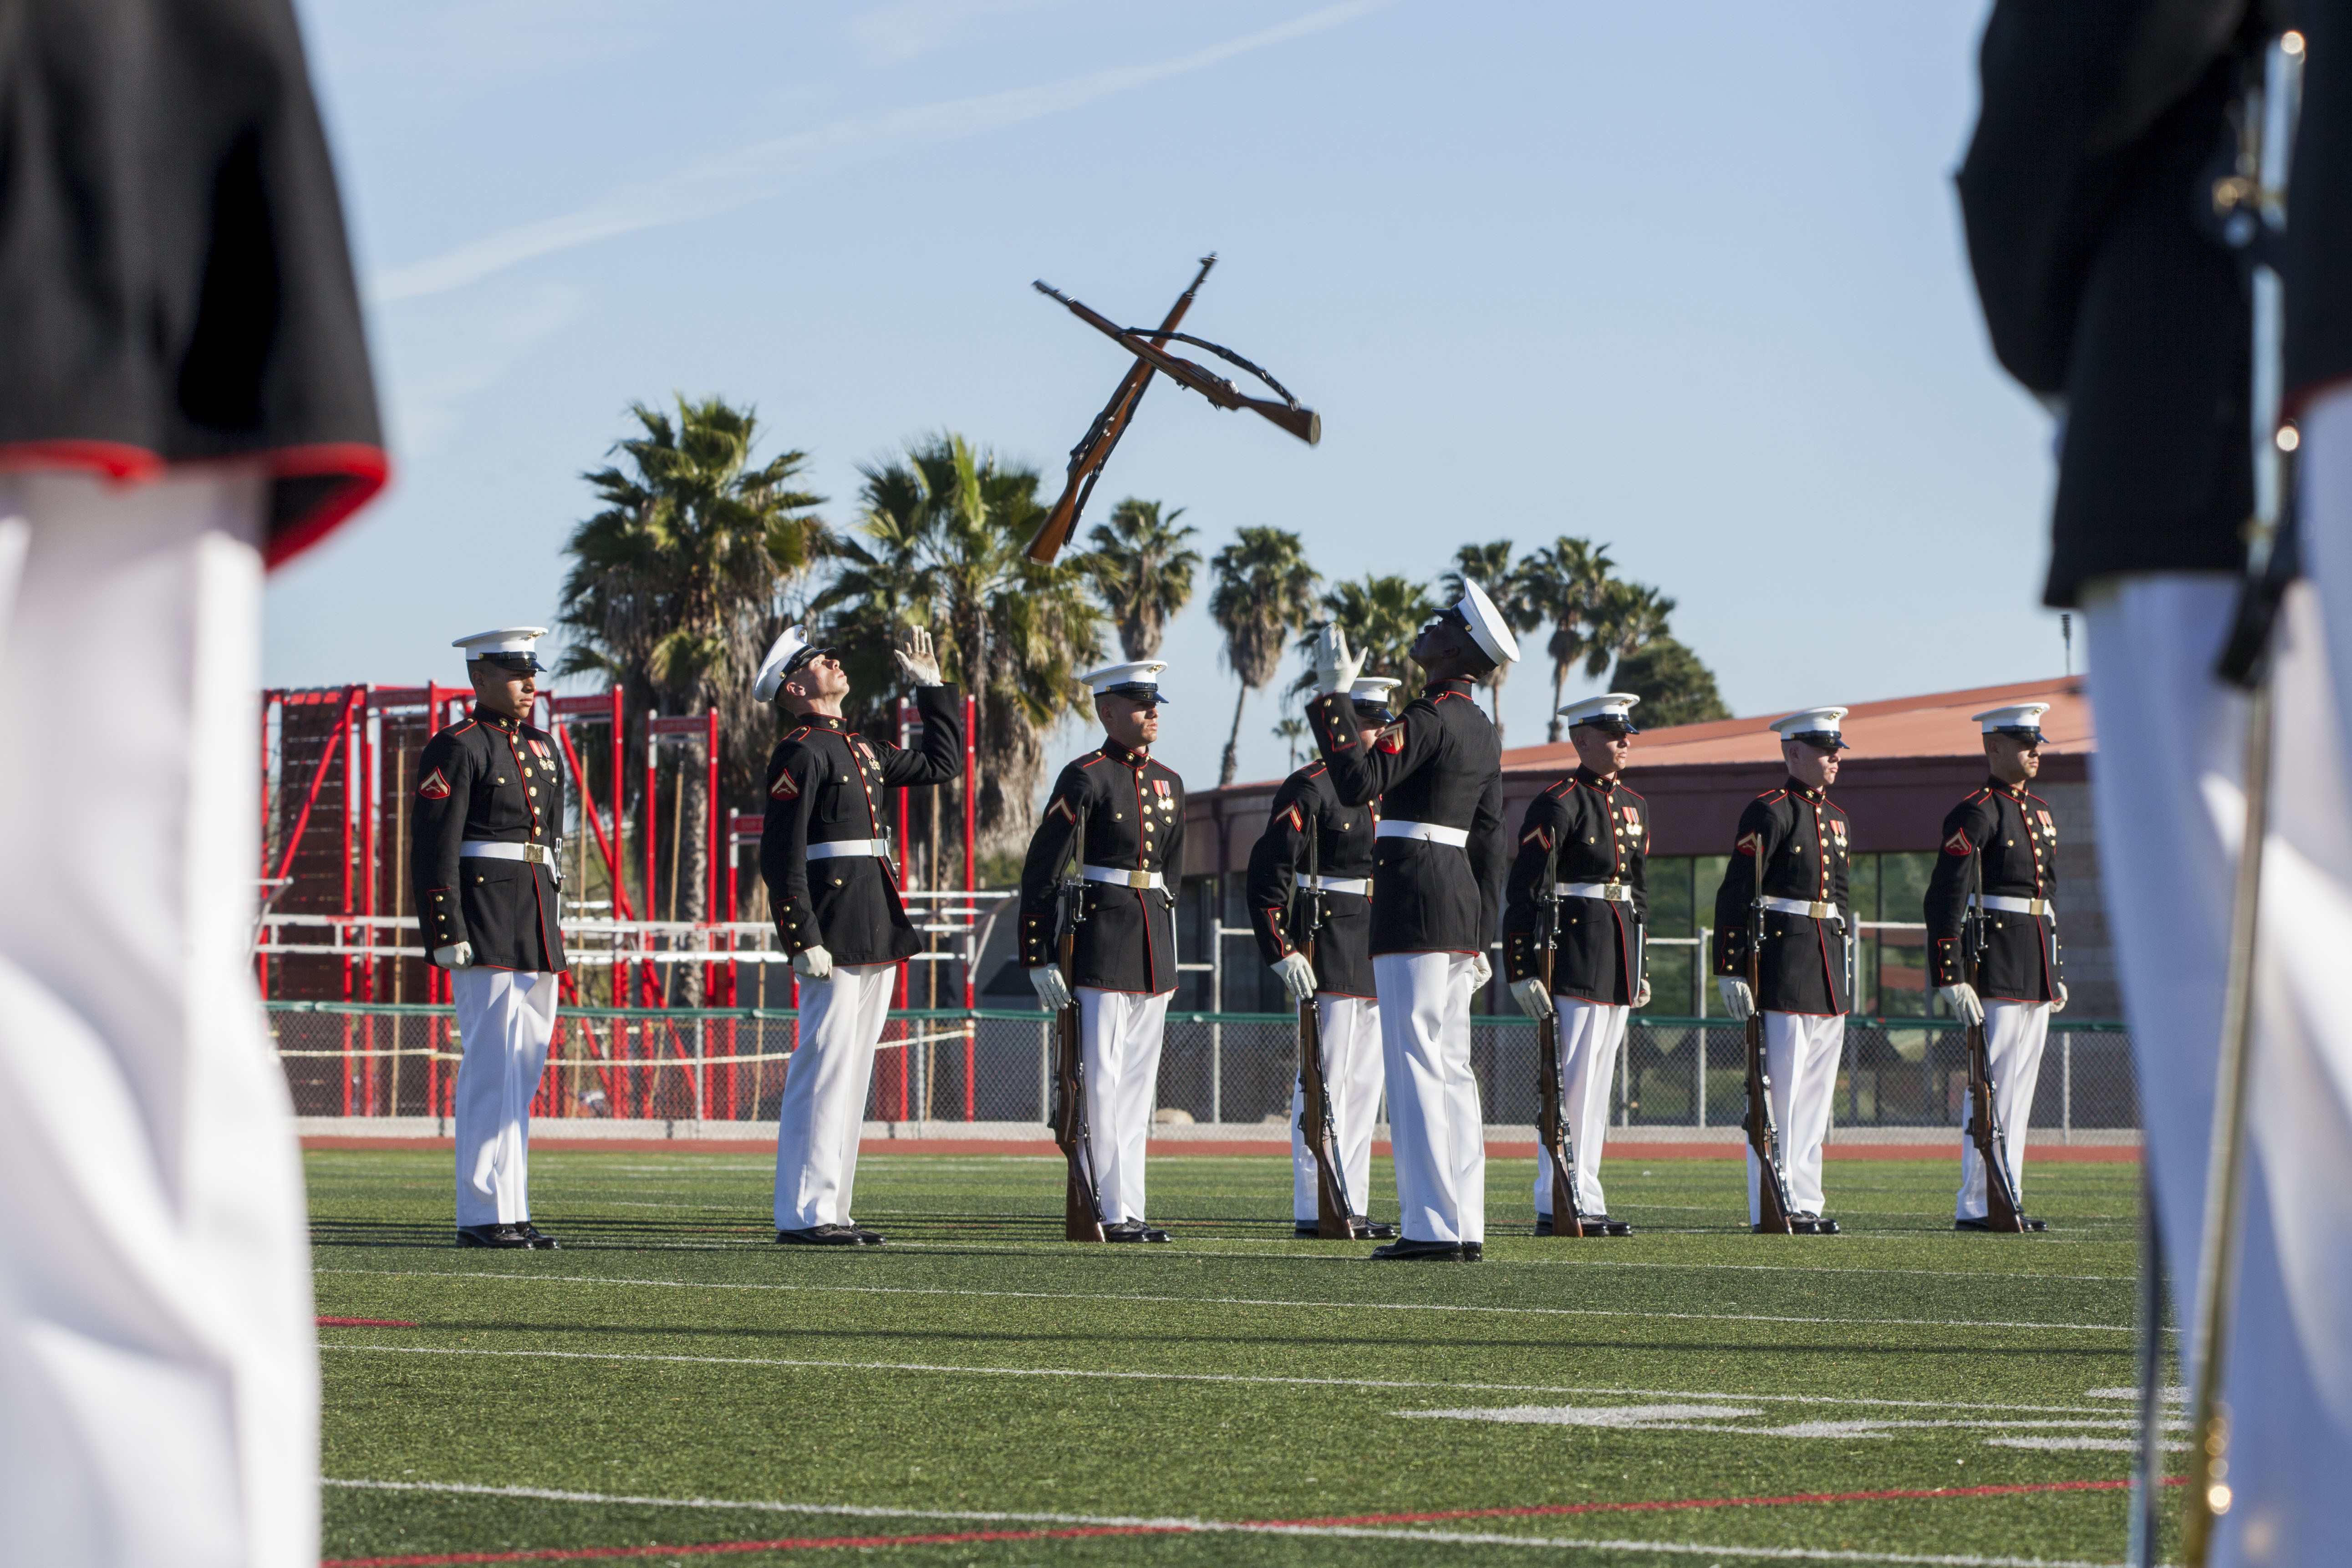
x=981 y=1391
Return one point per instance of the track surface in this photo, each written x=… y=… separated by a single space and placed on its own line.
x=674 y=1387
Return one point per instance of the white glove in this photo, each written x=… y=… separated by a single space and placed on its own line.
x=1051 y=990
x=1962 y=1000
x=1533 y=996
x=1297 y=976
x=1641 y=997
x=813 y=964
x=457 y=955
x=1481 y=972
x=1335 y=667
x=2059 y=1005
x=916 y=660
x=1737 y=999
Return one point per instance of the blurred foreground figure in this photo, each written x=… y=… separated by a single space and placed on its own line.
x=183 y=401
x=2113 y=290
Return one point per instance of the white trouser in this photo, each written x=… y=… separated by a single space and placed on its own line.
x=505 y=1019
x=2015 y=1033
x=158 y=1374
x=1120 y=1034
x=825 y=1086
x=1802 y=1053
x=1351 y=1075
x=1591 y=1035
x=1436 y=1126
x=2169 y=787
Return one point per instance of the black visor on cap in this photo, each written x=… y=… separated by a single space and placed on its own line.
x=805 y=658
x=1371 y=707
x=1610 y=722
x=1134 y=691
x=1822 y=740
x=2021 y=732
x=523 y=663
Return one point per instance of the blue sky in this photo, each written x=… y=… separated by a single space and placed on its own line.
x=1687 y=280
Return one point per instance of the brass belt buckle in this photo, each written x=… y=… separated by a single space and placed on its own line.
x=1138 y=879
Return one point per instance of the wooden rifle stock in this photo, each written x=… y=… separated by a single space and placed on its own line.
x=1303 y=423
x=1772 y=1203
x=2002 y=1211
x=1551 y=1089
x=1334 y=1215
x=1081 y=1197
x=1087 y=457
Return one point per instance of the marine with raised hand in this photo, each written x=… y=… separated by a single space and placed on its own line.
x=1589 y=835
x=1792 y=843
x=834 y=894
x=2000 y=853
x=1131 y=808
x=485 y=861
x=1310 y=877
x=1437 y=891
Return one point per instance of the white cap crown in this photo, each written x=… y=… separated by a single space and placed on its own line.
x=1373 y=689
x=1487 y=628
x=514 y=647
x=1812 y=724
x=1612 y=709
x=1138 y=679
x=2024 y=716
x=786 y=654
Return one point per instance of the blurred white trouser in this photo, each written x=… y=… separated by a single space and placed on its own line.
x=1120 y=1034
x=1801 y=1052
x=825 y=1088
x=1591 y=1035
x=1436 y=1129
x=159 y=1373
x=2168 y=790
x=505 y=1019
x=1351 y=1075
x=2015 y=1033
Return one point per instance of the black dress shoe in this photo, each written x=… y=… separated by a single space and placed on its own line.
x=2028 y=1221
x=1305 y=1230
x=1371 y=1230
x=1404 y=1249
x=1134 y=1230
x=1813 y=1225
x=538 y=1239
x=868 y=1237
x=1474 y=1252
x=820 y=1236
x=507 y=1236
x=1594 y=1225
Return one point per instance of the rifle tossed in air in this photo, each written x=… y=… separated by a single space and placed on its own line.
x=1551 y=1114
x=1334 y=1215
x=1082 y=1195
x=1087 y=457
x=1773 y=1203
x=2002 y=1211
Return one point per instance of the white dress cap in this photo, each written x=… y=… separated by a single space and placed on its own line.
x=2019 y=719
x=1138 y=680
x=1613 y=710
x=1817 y=727
x=1373 y=690
x=1487 y=628
x=785 y=654
x=510 y=647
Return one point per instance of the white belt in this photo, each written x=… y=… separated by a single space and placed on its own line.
x=483 y=850
x=1799 y=907
x=1615 y=892
x=2008 y=905
x=1362 y=886
x=1430 y=832
x=855 y=848
x=1121 y=877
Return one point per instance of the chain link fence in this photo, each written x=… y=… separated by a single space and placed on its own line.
x=360 y=1061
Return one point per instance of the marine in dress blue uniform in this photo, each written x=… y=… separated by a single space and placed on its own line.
x=1590 y=833
x=1437 y=895
x=1131 y=808
x=834 y=895
x=1310 y=874
x=485 y=854
x=1796 y=841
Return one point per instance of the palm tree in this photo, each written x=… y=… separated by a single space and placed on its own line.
x=1143 y=569
x=944 y=527
x=1381 y=616
x=1293 y=729
x=1629 y=617
x=1567 y=578
x=1264 y=592
x=679 y=584
x=1517 y=595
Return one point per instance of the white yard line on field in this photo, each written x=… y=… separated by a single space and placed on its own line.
x=1254 y=1301
x=1127 y=1376
x=1206 y=1526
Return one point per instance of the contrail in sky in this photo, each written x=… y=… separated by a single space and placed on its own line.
x=753 y=173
